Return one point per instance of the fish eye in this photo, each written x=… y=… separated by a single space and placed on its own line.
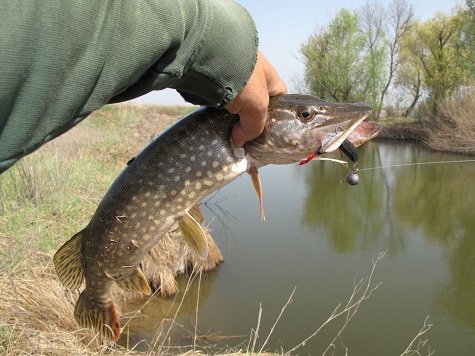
x=306 y=115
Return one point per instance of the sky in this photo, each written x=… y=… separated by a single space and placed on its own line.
x=283 y=25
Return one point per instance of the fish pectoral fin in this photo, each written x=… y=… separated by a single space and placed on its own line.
x=194 y=235
x=256 y=182
x=197 y=214
x=134 y=282
x=69 y=263
x=97 y=313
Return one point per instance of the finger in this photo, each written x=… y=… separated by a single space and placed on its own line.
x=278 y=89
x=252 y=102
x=239 y=135
x=251 y=123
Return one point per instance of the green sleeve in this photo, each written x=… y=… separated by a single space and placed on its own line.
x=61 y=60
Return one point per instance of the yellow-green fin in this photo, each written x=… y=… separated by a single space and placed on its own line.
x=134 y=282
x=197 y=214
x=97 y=313
x=194 y=235
x=68 y=262
x=256 y=182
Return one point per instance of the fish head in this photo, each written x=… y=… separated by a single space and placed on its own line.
x=301 y=125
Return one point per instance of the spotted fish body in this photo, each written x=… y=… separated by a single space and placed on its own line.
x=167 y=180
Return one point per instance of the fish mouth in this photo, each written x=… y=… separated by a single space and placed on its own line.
x=355 y=130
x=365 y=131
x=357 y=133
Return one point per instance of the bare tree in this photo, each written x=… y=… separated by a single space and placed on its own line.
x=471 y=6
x=400 y=15
x=372 y=25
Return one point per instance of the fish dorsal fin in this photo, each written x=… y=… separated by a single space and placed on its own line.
x=197 y=214
x=256 y=182
x=194 y=235
x=129 y=162
x=69 y=263
x=134 y=282
x=97 y=313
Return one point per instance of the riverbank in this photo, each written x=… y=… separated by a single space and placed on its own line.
x=414 y=131
x=436 y=136
x=451 y=129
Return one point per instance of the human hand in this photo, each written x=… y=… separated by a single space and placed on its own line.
x=252 y=102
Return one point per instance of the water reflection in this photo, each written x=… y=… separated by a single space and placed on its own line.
x=354 y=217
x=391 y=203
x=156 y=319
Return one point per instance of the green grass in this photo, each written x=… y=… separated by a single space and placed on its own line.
x=8 y=341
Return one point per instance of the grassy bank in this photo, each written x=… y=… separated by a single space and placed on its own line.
x=454 y=129
x=44 y=200
x=451 y=129
x=403 y=131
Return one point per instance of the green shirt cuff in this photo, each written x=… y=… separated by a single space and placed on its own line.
x=224 y=59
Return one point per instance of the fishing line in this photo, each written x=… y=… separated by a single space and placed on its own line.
x=415 y=164
x=353 y=179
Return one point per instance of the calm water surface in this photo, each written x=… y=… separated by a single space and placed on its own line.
x=320 y=236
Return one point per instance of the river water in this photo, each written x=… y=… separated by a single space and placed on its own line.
x=320 y=238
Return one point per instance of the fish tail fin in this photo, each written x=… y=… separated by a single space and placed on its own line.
x=98 y=313
x=69 y=263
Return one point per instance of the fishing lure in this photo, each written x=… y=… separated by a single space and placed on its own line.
x=349 y=150
x=352 y=178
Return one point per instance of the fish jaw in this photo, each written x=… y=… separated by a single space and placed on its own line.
x=302 y=125
x=364 y=132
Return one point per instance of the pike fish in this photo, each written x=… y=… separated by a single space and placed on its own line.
x=166 y=181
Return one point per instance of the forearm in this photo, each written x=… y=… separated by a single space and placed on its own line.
x=208 y=61
x=59 y=64
x=225 y=57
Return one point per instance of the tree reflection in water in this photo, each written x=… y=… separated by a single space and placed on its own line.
x=392 y=203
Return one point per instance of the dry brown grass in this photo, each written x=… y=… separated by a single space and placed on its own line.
x=171 y=257
x=36 y=312
x=454 y=131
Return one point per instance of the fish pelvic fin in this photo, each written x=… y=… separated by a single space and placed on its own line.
x=99 y=313
x=134 y=282
x=256 y=182
x=69 y=263
x=197 y=213
x=194 y=235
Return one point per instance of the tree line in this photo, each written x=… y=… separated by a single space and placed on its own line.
x=379 y=54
